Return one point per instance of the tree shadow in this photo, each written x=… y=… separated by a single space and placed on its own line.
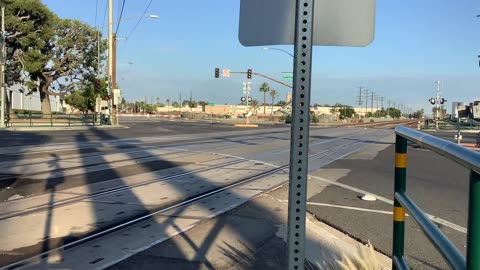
x=112 y=209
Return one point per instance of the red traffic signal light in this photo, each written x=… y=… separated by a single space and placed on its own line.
x=107 y=97
x=249 y=73
x=217 y=72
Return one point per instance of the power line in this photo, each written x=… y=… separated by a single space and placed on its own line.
x=105 y=14
x=140 y=19
x=96 y=13
x=120 y=18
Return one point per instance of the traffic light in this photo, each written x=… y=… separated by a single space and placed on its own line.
x=217 y=72
x=432 y=101
x=442 y=101
x=107 y=97
x=97 y=85
x=249 y=73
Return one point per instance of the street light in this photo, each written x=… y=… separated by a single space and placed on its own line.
x=277 y=49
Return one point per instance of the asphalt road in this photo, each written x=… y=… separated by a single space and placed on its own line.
x=450 y=136
x=162 y=171
x=439 y=187
x=137 y=127
x=72 y=160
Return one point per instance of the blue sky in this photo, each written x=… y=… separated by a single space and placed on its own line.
x=416 y=43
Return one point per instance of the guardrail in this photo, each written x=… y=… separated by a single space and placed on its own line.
x=402 y=202
x=56 y=120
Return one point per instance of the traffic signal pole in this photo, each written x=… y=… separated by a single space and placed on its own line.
x=264 y=76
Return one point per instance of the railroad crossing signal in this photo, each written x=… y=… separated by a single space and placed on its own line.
x=249 y=73
x=243 y=99
x=226 y=73
x=217 y=72
x=433 y=101
x=246 y=87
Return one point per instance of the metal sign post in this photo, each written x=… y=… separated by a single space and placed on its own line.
x=287 y=22
x=300 y=133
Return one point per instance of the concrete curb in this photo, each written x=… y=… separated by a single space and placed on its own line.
x=63 y=128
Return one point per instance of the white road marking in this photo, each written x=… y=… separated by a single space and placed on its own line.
x=435 y=219
x=347 y=207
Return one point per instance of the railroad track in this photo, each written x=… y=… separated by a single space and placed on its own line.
x=94 y=235
x=117 y=189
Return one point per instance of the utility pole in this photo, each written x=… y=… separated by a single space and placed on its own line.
x=99 y=42
x=110 y=62
x=190 y=105
x=360 y=97
x=3 y=94
x=180 y=102
x=372 y=101
x=437 y=103
x=388 y=109
x=366 y=102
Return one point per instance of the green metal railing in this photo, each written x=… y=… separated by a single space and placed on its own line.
x=402 y=202
x=56 y=120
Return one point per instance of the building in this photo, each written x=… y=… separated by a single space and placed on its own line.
x=455 y=104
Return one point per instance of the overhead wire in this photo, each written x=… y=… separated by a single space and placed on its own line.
x=104 y=15
x=120 y=17
x=96 y=14
x=139 y=20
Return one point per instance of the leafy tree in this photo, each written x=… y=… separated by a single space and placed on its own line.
x=344 y=111
x=347 y=112
x=29 y=26
x=192 y=104
x=394 y=113
x=79 y=100
x=254 y=104
x=441 y=112
x=418 y=113
x=264 y=88
x=84 y=99
x=175 y=104
x=59 y=54
x=281 y=103
x=149 y=108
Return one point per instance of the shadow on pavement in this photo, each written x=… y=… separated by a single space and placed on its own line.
x=116 y=208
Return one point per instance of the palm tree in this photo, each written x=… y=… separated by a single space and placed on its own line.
x=273 y=94
x=264 y=88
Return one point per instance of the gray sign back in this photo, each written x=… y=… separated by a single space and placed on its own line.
x=336 y=22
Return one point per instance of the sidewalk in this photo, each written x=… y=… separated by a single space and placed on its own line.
x=252 y=236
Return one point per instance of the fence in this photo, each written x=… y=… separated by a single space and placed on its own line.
x=56 y=120
x=402 y=202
